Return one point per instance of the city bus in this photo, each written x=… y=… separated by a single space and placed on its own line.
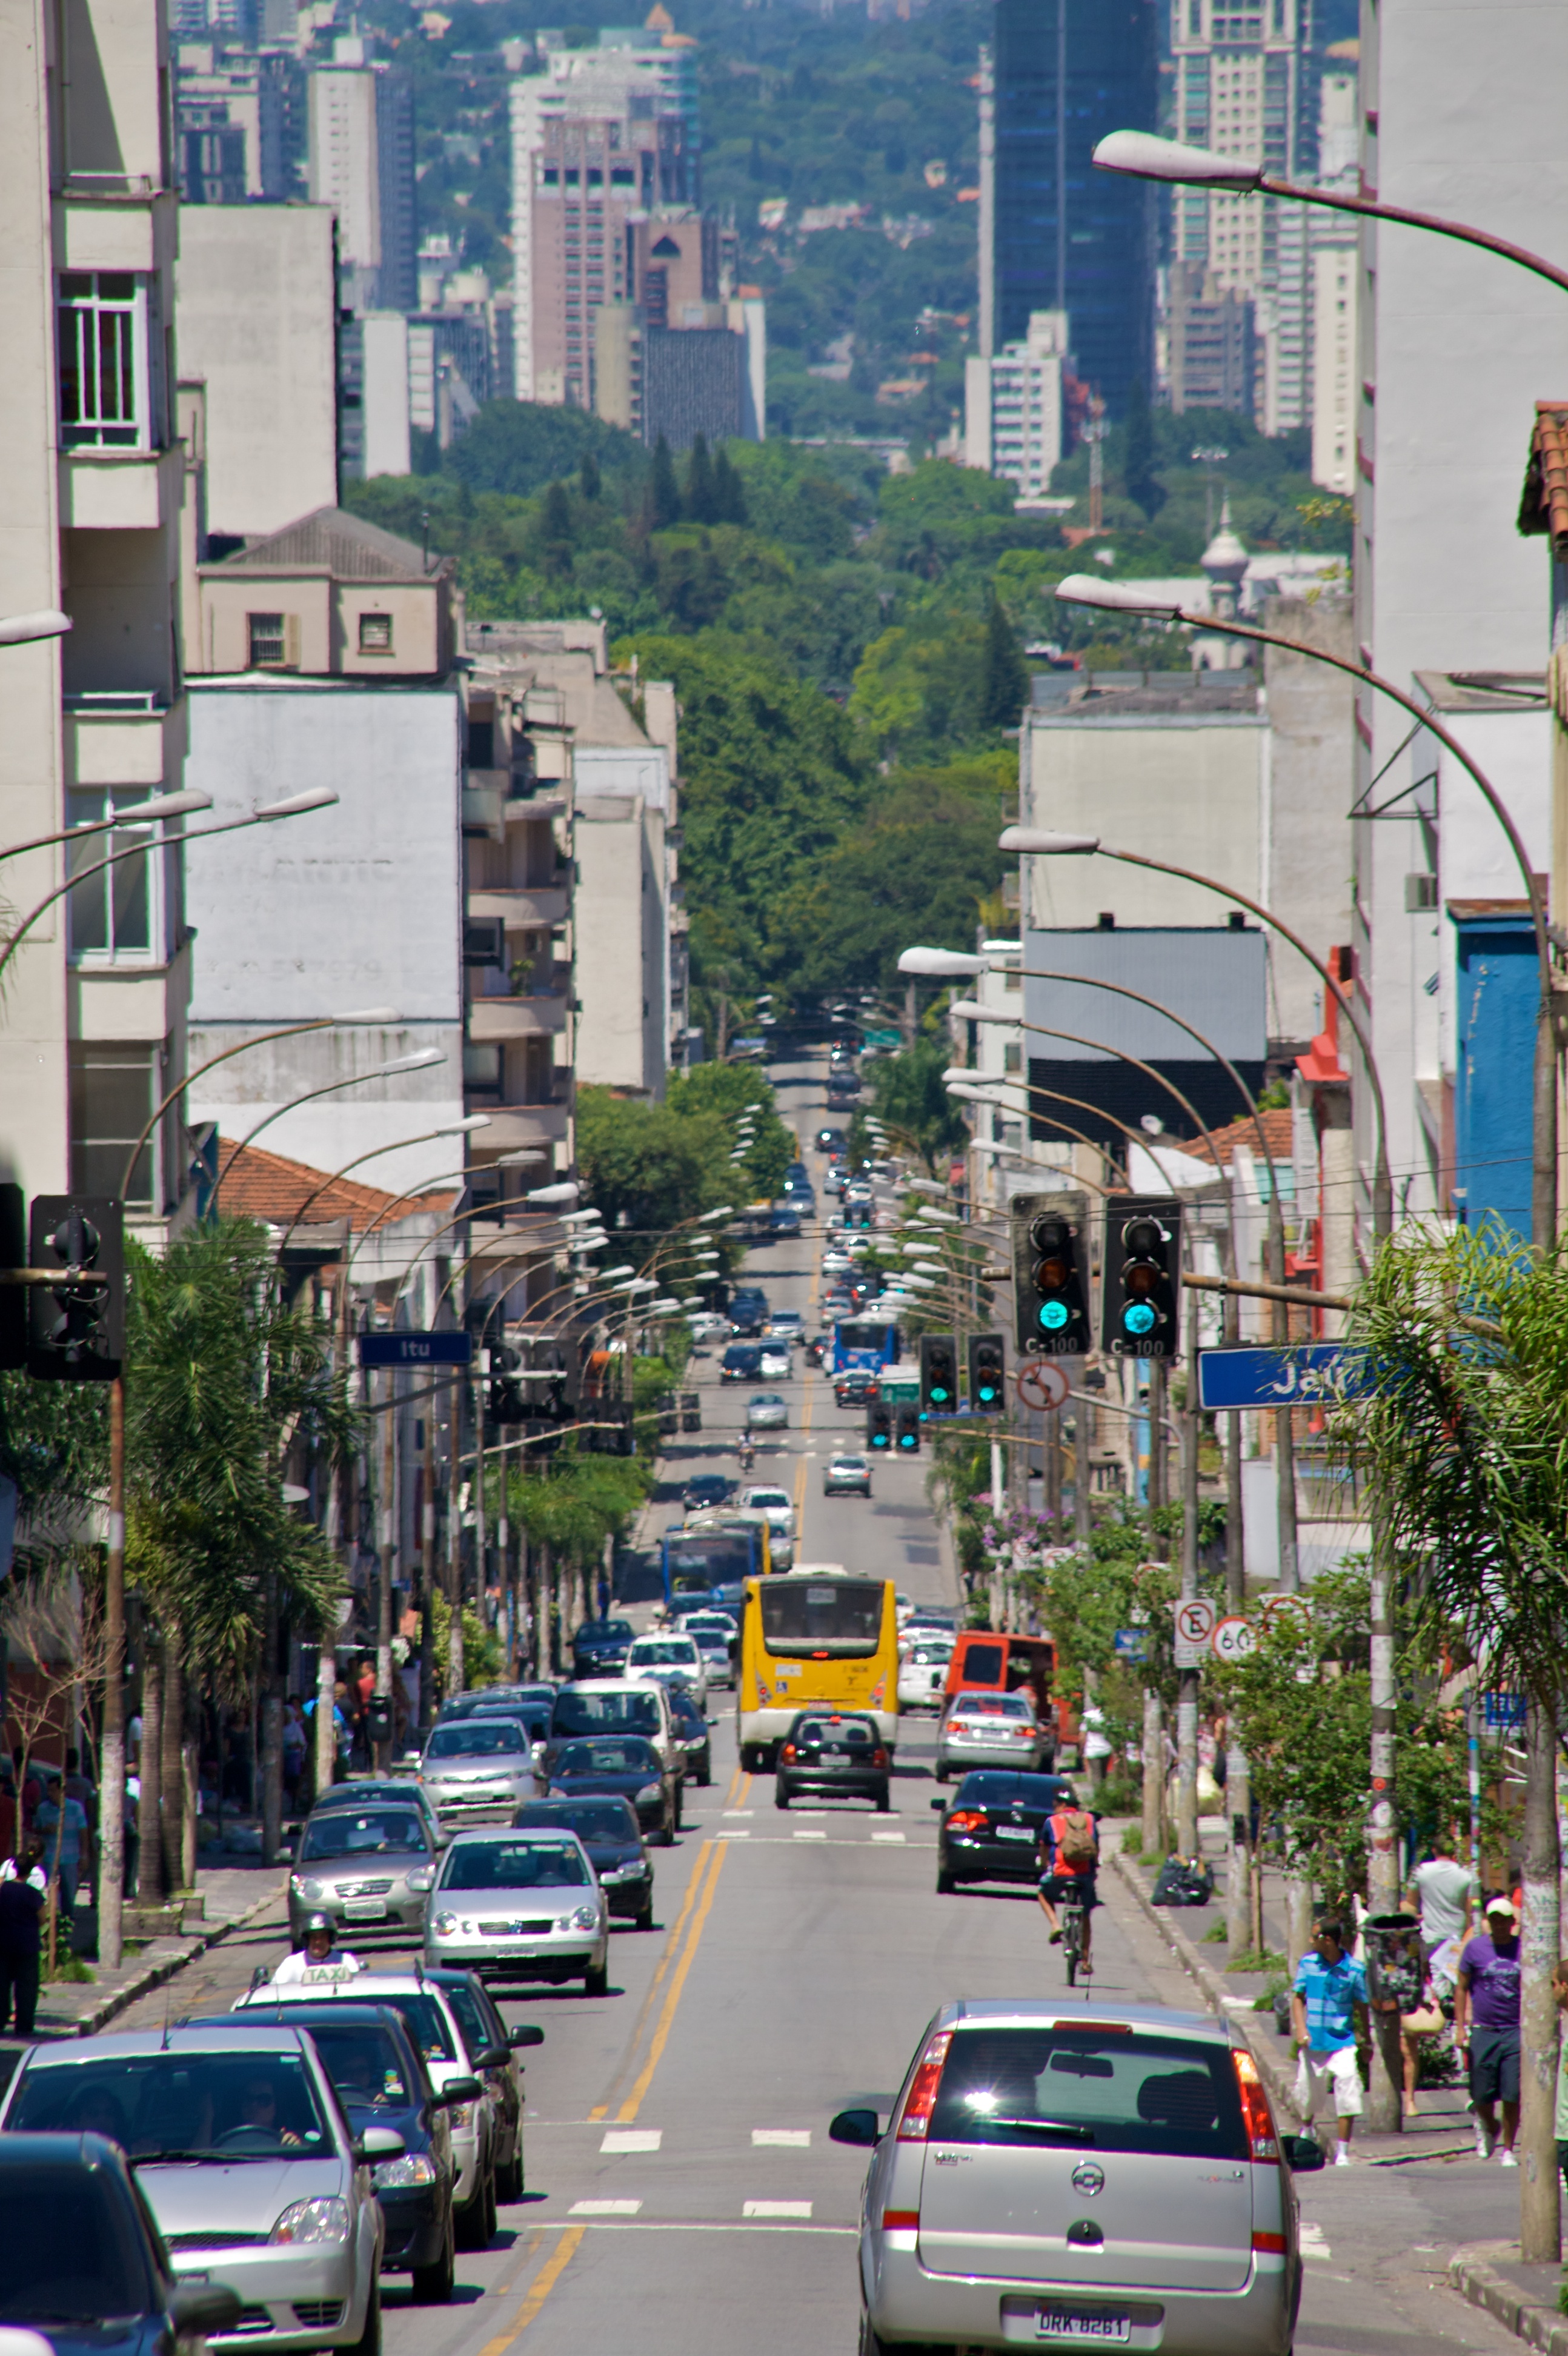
x=868 y=1342
x=705 y=1553
x=821 y=1634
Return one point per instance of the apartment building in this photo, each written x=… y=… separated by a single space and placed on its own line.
x=361 y=163
x=1013 y=409
x=93 y=1036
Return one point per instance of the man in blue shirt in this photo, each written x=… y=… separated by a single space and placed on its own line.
x=1330 y=1985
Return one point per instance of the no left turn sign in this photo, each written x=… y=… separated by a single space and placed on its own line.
x=1042 y=1384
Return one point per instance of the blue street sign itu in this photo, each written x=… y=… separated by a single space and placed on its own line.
x=416 y=1349
x=1296 y=1374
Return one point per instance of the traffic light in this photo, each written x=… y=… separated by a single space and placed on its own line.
x=1140 y=1317
x=938 y=1374
x=906 y=1431
x=879 y=1429
x=76 y=1332
x=987 y=1369
x=505 y=1400
x=1051 y=1273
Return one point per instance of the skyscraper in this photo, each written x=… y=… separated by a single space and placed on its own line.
x=1064 y=237
x=362 y=163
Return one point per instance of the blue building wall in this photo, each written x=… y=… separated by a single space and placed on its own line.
x=1498 y=992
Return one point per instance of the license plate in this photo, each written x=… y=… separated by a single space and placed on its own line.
x=1082 y=2323
x=364 y=1910
x=1014 y=1831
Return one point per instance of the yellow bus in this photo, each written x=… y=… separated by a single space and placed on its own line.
x=818 y=1636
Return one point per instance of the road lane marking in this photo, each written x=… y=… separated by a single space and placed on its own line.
x=630 y=2107
x=1313 y=2245
x=776 y=2207
x=888 y=1837
x=605 y=2207
x=806 y=1834
x=632 y=2139
x=734 y=1832
x=790 y=2138
x=539 y=2289
x=602 y=2110
x=739 y=1812
x=691 y=2225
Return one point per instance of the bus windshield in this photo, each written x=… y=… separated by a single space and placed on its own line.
x=864 y=1342
x=839 y=1617
x=698 y=1560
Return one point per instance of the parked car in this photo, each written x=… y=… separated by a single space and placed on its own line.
x=991 y=1729
x=1126 y=2129
x=598 y=1648
x=766 y=1411
x=516 y=1906
x=670 y=1658
x=833 y=1754
x=608 y=1828
x=437 y=2037
x=848 y=1476
x=622 y=1767
x=695 y=1733
x=246 y=2161
x=371 y=1868
x=475 y=1770
x=990 y=1828
x=741 y=1363
x=80 y=2245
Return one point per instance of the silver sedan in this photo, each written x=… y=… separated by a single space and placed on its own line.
x=765 y=1411
x=991 y=1729
x=524 y=1905
x=1120 y=2181
x=477 y=1770
x=370 y=1868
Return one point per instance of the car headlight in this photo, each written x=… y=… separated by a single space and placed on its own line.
x=303 y=1886
x=412 y=2167
x=325 y=2219
x=445 y=1925
x=460 y=2116
x=649 y=1793
x=581 y=1918
x=421 y=1876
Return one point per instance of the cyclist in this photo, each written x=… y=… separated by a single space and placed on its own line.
x=1069 y=1857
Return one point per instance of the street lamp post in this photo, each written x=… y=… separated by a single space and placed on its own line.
x=146 y=813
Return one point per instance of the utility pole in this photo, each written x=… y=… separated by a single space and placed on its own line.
x=384 y=1571
x=112 y=1750
x=1154 y=1828
x=1238 y=1775
x=1187 y=1702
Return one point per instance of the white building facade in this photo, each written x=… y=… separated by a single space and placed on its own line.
x=1013 y=413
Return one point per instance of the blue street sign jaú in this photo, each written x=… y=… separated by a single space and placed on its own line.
x=1295 y=1374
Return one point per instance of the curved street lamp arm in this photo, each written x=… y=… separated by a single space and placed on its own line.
x=1374 y=209
x=262 y=1039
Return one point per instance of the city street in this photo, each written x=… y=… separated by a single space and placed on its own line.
x=678 y=2168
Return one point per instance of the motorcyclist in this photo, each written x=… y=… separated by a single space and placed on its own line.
x=746 y=1452
x=320 y=1954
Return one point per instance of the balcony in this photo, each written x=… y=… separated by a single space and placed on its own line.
x=527 y=910
x=120 y=490
x=499 y=1019
x=514 y=1128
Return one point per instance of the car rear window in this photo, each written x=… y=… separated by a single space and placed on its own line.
x=69 y=2254
x=1083 y=2088
x=993 y=1789
x=850 y=1732
x=969 y=1705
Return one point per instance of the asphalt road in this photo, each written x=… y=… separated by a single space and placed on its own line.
x=682 y=2195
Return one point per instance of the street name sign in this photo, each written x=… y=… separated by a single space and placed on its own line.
x=416 y=1349
x=1296 y=1374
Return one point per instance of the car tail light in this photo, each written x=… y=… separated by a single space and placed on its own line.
x=1271 y=2241
x=901 y=2220
x=878 y=1757
x=968 y=1820
x=914 y=2121
x=788 y=1751
x=1261 y=2141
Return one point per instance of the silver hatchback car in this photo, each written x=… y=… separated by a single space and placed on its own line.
x=1114 y=2180
x=477 y=1770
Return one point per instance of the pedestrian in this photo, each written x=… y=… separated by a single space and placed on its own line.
x=1330 y=1984
x=1445 y=1891
x=1487 y=2027
x=24 y=1893
x=1405 y=1985
x=67 y=1841
x=294 y=1750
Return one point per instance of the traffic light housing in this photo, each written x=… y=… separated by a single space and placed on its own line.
x=76 y=1332
x=987 y=1374
x=504 y=1399
x=1051 y=1273
x=939 y=1374
x=1140 y=1315
x=906 y=1431
x=879 y=1429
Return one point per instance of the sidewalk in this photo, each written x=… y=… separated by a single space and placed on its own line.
x=231 y=1893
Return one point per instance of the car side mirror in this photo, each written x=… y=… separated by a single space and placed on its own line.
x=198 y=2309
x=378 y=2143
x=939 y=1806
x=495 y=2057
x=856 y=2128
x=458 y=2090
x=527 y=2035
x=1303 y=2154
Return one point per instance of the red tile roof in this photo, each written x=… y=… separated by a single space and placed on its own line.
x=1276 y=1129
x=1543 y=506
x=263 y=1185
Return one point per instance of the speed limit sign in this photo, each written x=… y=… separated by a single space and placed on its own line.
x=1235 y=1638
x=1194 y=1632
x=1043 y=1383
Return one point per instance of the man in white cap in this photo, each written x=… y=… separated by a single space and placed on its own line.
x=1487 y=2027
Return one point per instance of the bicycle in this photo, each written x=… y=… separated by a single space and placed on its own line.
x=1073 y=1918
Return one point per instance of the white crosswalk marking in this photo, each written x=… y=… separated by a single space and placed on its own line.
x=604 y=2208
x=776 y=2207
x=1313 y=2245
x=632 y=2139
x=791 y=2139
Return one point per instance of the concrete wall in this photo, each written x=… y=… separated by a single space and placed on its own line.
x=327 y=614
x=1461 y=115
x=255 y=302
x=352 y=906
x=621 y=917
x=1311 y=784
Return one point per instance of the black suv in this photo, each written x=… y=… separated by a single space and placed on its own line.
x=741 y=1363
x=599 y=1646
x=748 y=1312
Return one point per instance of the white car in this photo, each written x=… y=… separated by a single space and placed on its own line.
x=708 y=1326
x=992 y=1729
x=786 y=1325
x=714 y=1635
x=777 y=1510
x=922 y=1675
x=772 y=1362
x=669 y=1660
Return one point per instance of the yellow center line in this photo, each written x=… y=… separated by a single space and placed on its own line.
x=745 y=1790
x=602 y=2110
x=543 y=2282
x=629 y=2108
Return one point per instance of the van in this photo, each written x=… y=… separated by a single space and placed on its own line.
x=618 y=1706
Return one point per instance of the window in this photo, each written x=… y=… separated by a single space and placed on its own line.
x=113 y=917
x=103 y=342
x=274 y=641
x=1012 y=1057
x=112 y=1098
x=375 y=633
